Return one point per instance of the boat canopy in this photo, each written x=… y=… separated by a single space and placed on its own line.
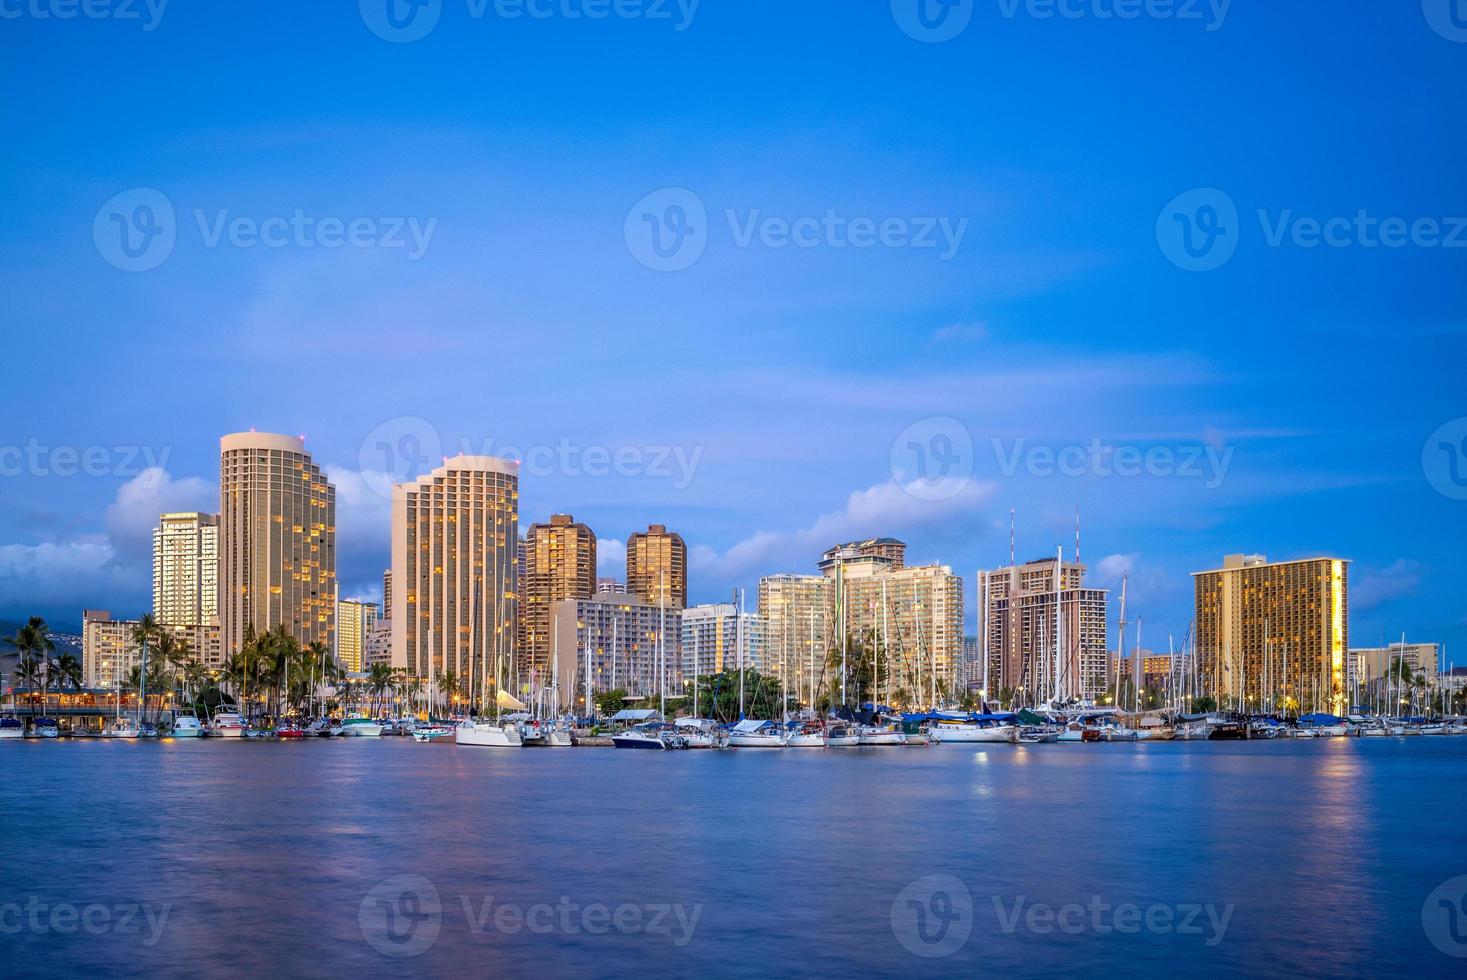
x=751 y=725
x=1319 y=718
x=1027 y=717
x=634 y=714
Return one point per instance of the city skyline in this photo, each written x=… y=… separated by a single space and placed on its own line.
x=780 y=378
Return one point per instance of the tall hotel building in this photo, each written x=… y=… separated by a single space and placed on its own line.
x=186 y=570
x=277 y=541
x=454 y=537
x=1275 y=630
x=657 y=567
x=559 y=563
x=355 y=622
x=1046 y=633
x=799 y=629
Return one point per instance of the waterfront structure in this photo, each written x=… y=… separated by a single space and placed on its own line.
x=186 y=569
x=1046 y=631
x=799 y=630
x=717 y=637
x=620 y=635
x=1274 y=633
x=277 y=541
x=355 y=621
x=610 y=586
x=657 y=566
x=110 y=649
x=560 y=563
x=454 y=535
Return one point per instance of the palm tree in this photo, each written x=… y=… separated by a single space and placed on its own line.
x=28 y=673
x=379 y=681
x=69 y=671
x=34 y=645
x=448 y=685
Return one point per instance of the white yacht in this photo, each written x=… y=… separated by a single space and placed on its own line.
x=805 y=735
x=473 y=731
x=947 y=730
x=751 y=733
x=187 y=726
x=699 y=733
x=228 y=724
x=12 y=728
x=841 y=736
x=882 y=733
x=361 y=727
x=122 y=728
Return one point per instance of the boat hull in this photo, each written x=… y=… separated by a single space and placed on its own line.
x=488 y=736
x=637 y=742
x=975 y=733
x=755 y=742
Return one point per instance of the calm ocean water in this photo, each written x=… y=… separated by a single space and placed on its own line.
x=326 y=858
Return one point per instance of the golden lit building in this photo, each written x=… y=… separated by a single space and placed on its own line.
x=186 y=569
x=110 y=650
x=629 y=644
x=560 y=563
x=355 y=621
x=454 y=536
x=1031 y=650
x=1275 y=632
x=277 y=540
x=920 y=610
x=657 y=567
x=799 y=629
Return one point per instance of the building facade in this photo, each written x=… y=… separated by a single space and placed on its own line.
x=277 y=541
x=1275 y=632
x=110 y=649
x=1045 y=632
x=186 y=569
x=799 y=630
x=657 y=566
x=559 y=563
x=716 y=638
x=1367 y=664
x=355 y=621
x=626 y=643
x=915 y=613
x=454 y=536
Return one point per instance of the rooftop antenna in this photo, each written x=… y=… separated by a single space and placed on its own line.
x=1077 y=534
x=1011 y=537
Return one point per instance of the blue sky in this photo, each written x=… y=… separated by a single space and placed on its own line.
x=791 y=379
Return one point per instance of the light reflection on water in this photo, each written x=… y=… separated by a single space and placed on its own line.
x=266 y=853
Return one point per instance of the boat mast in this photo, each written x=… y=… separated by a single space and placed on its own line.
x=1059 y=624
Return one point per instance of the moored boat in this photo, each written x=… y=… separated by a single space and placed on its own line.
x=752 y=733
x=361 y=727
x=228 y=724
x=841 y=736
x=487 y=734
x=45 y=728
x=12 y=728
x=187 y=726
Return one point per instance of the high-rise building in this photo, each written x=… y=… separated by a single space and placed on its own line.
x=1031 y=650
x=657 y=566
x=1275 y=632
x=610 y=586
x=110 y=650
x=277 y=540
x=387 y=593
x=186 y=569
x=1367 y=664
x=632 y=645
x=355 y=621
x=915 y=613
x=560 y=563
x=378 y=649
x=713 y=636
x=454 y=535
x=867 y=557
x=799 y=630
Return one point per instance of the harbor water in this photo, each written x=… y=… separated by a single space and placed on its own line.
x=334 y=857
